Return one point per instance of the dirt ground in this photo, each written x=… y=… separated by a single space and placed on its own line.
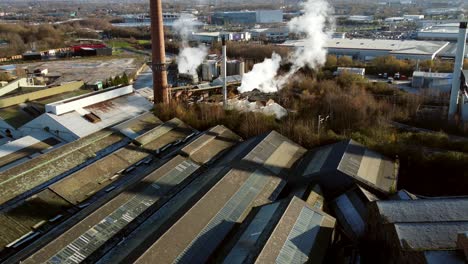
x=87 y=70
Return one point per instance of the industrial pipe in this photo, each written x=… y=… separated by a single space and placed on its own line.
x=460 y=55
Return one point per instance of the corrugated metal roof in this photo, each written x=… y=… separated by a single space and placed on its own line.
x=247 y=242
x=97 y=235
x=302 y=235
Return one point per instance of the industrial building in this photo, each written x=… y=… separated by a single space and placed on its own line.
x=368 y=49
x=419 y=231
x=290 y=231
x=81 y=116
x=274 y=35
x=351 y=210
x=357 y=71
x=441 y=82
x=247 y=17
x=339 y=166
x=441 y=32
x=212 y=37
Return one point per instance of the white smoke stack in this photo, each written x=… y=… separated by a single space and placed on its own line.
x=455 y=93
x=224 y=71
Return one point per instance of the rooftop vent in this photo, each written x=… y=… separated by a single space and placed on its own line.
x=93 y=118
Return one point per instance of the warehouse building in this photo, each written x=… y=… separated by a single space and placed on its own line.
x=419 y=231
x=351 y=210
x=442 y=32
x=441 y=82
x=368 y=49
x=81 y=116
x=98 y=175
x=248 y=17
x=130 y=207
x=339 y=166
x=290 y=231
x=251 y=174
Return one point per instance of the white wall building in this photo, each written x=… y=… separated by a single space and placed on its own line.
x=368 y=49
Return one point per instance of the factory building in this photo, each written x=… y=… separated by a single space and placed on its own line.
x=235 y=67
x=339 y=166
x=275 y=35
x=212 y=37
x=368 y=49
x=431 y=80
x=81 y=116
x=210 y=70
x=357 y=71
x=284 y=232
x=419 y=231
x=351 y=210
x=441 y=32
x=248 y=17
x=361 y=19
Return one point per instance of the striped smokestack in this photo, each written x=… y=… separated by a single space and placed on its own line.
x=159 y=54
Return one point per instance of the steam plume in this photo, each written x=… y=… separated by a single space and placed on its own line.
x=314 y=26
x=262 y=76
x=189 y=58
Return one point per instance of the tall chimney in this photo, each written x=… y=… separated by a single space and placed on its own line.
x=158 y=64
x=224 y=71
x=460 y=55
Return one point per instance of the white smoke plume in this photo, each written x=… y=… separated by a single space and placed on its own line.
x=262 y=76
x=189 y=58
x=315 y=26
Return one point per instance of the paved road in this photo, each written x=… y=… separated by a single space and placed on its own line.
x=144 y=79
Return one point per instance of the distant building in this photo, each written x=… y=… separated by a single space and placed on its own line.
x=413 y=17
x=432 y=80
x=212 y=37
x=444 y=32
x=368 y=49
x=358 y=71
x=394 y=19
x=275 y=35
x=248 y=17
x=361 y=19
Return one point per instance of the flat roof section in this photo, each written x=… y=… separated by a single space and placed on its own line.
x=89 y=234
x=302 y=235
x=195 y=236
